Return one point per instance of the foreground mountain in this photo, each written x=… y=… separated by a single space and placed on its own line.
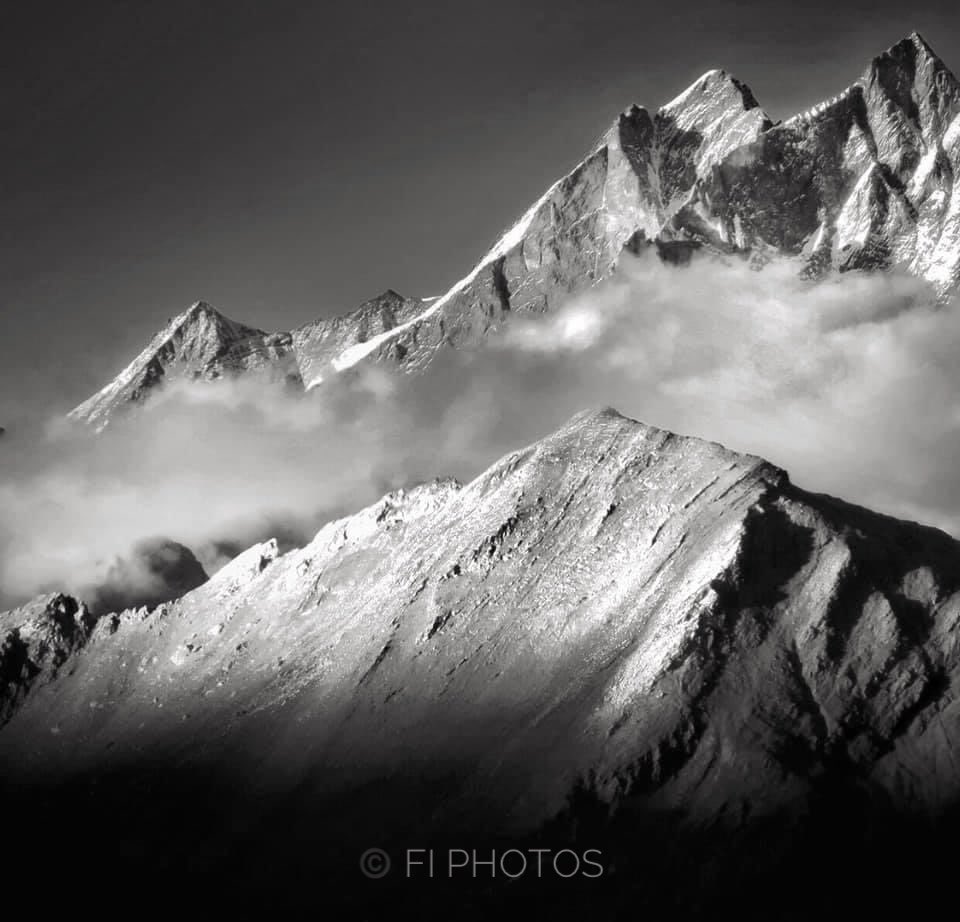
x=863 y=181
x=615 y=628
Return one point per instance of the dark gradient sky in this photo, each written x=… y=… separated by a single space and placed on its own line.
x=288 y=160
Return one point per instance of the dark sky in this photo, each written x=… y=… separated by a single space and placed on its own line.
x=288 y=160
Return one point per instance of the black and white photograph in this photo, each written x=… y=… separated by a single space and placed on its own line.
x=480 y=460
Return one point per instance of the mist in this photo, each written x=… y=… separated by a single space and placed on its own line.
x=849 y=383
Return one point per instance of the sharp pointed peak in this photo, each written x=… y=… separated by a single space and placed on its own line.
x=717 y=75
x=201 y=307
x=909 y=62
x=201 y=311
x=194 y=313
x=202 y=318
x=714 y=82
x=389 y=294
x=919 y=42
x=910 y=48
x=388 y=298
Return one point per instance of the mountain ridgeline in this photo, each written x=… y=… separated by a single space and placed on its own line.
x=863 y=181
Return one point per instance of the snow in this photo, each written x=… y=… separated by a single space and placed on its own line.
x=697 y=87
x=854 y=223
x=821 y=107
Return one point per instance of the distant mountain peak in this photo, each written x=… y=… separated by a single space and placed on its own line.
x=717 y=84
x=202 y=313
x=918 y=43
x=910 y=54
x=199 y=342
x=202 y=309
x=864 y=180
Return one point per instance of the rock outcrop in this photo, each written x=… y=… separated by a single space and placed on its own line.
x=155 y=570
x=35 y=641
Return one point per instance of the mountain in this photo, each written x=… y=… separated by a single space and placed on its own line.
x=862 y=181
x=203 y=344
x=200 y=343
x=616 y=628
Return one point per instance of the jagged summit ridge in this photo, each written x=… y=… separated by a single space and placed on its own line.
x=716 y=85
x=913 y=51
x=869 y=177
x=864 y=180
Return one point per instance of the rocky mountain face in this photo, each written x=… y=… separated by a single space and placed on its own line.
x=317 y=345
x=35 y=641
x=616 y=627
x=201 y=344
x=863 y=181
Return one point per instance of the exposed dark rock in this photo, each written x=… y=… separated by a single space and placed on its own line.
x=156 y=570
x=35 y=641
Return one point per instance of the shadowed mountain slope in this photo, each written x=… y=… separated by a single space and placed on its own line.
x=615 y=616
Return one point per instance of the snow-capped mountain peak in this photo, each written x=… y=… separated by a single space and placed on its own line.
x=718 y=86
x=199 y=343
x=863 y=180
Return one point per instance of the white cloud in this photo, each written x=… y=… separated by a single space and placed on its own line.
x=851 y=384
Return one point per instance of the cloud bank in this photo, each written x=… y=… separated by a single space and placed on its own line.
x=849 y=383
